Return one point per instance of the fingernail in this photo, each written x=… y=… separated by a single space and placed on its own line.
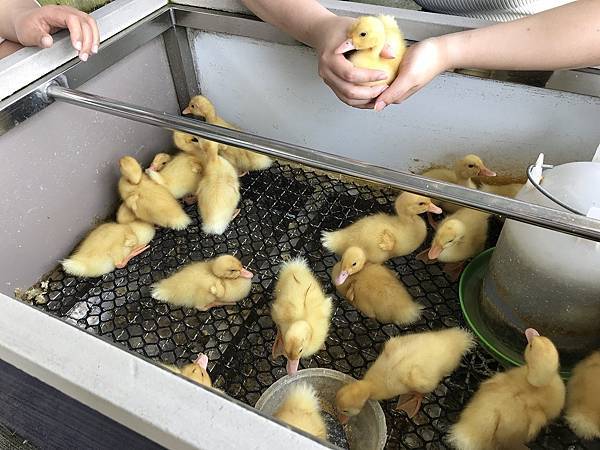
x=379 y=105
x=94 y=48
x=46 y=41
x=77 y=45
x=84 y=57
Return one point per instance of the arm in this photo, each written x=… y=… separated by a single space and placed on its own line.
x=560 y=38
x=24 y=21
x=312 y=24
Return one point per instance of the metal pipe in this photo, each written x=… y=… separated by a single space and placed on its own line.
x=514 y=209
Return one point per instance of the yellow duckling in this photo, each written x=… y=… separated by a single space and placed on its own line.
x=379 y=45
x=384 y=236
x=374 y=289
x=148 y=200
x=583 y=398
x=301 y=409
x=218 y=192
x=180 y=174
x=220 y=281
x=506 y=190
x=459 y=237
x=196 y=371
x=409 y=366
x=109 y=246
x=464 y=170
x=511 y=408
x=188 y=143
x=301 y=312
x=243 y=160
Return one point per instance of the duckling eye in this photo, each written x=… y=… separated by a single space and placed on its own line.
x=192 y=106
x=422 y=204
x=354 y=264
x=471 y=166
x=363 y=34
x=194 y=139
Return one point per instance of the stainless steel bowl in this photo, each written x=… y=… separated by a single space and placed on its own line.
x=366 y=431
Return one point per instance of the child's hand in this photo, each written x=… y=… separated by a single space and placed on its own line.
x=34 y=27
x=421 y=64
x=339 y=73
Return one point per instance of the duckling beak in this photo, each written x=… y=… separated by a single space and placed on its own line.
x=345 y=47
x=530 y=333
x=292 y=366
x=202 y=361
x=186 y=111
x=246 y=274
x=434 y=209
x=343 y=419
x=485 y=172
x=341 y=277
x=435 y=251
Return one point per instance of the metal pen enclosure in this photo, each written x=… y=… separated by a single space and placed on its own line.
x=51 y=200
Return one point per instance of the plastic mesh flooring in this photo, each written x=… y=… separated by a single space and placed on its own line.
x=284 y=210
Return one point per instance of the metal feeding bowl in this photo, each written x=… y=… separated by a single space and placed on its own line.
x=366 y=431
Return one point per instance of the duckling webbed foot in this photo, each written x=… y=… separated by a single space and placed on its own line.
x=136 y=251
x=410 y=403
x=453 y=270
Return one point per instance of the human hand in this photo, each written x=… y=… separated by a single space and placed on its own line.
x=340 y=74
x=33 y=27
x=421 y=64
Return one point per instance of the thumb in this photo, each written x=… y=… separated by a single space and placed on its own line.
x=399 y=90
x=46 y=41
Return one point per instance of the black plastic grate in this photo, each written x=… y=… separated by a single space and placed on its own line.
x=284 y=210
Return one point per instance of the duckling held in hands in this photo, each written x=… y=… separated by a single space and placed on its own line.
x=217 y=282
x=383 y=236
x=109 y=246
x=218 y=192
x=243 y=160
x=464 y=170
x=301 y=312
x=148 y=200
x=459 y=237
x=511 y=408
x=180 y=174
x=378 y=44
x=301 y=409
x=374 y=289
x=409 y=366
x=583 y=398
x=196 y=371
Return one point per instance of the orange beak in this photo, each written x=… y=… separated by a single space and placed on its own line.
x=485 y=172
x=343 y=419
x=246 y=274
x=434 y=209
x=186 y=111
x=346 y=46
x=435 y=251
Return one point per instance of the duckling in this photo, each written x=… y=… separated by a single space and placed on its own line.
x=301 y=409
x=459 y=237
x=220 y=281
x=243 y=160
x=196 y=371
x=301 y=312
x=379 y=45
x=374 y=289
x=464 y=170
x=218 y=192
x=506 y=190
x=109 y=246
x=511 y=408
x=383 y=236
x=583 y=398
x=180 y=174
x=148 y=200
x=188 y=143
x=409 y=366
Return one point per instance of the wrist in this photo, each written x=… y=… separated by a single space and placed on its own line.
x=321 y=27
x=449 y=48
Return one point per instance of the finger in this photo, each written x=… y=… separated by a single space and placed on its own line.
x=74 y=25
x=96 y=33
x=349 y=101
x=354 y=91
x=396 y=93
x=87 y=41
x=345 y=70
x=46 y=41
